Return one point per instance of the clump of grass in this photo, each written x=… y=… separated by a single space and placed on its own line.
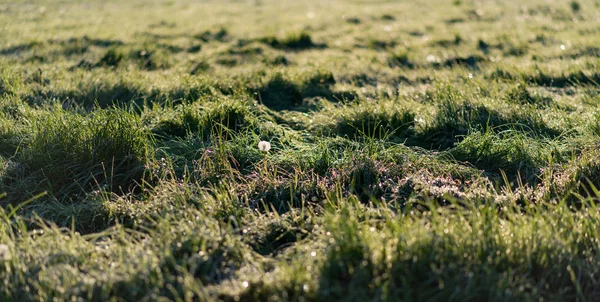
x=275 y=189
x=508 y=151
x=325 y=154
x=270 y=235
x=69 y=155
x=195 y=48
x=579 y=177
x=292 y=41
x=516 y=50
x=449 y=42
x=594 y=125
x=209 y=120
x=9 y=83
x=526 y=121
x=501 y=74
x=483 y=46
x=364 y=178
x=11 y=133
x=565 y=79
x=400 y=59
x=453 y=120
x=280 y=60
x=150 y=59
x=348 y=265
x=471 y=61
x=575 y=7
x=353 y=20
x=204 y=254
x=520 y=94
x=379 y=120
x=112 y=58
x=200 y=67
x=221 y=35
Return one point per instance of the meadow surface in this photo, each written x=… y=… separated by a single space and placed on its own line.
x=420 y=150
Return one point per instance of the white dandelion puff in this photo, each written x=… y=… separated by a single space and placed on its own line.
x=264 y=146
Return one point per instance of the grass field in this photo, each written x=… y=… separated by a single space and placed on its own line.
x=420 y=150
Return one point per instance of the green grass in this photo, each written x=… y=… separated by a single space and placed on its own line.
x=438 y=150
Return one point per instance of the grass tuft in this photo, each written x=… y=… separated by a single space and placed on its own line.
x=69 y=155
x=292 y=41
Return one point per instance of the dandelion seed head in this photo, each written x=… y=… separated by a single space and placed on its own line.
x=264 y=146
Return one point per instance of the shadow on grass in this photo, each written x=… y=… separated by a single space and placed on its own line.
x=292 y=42
x=122 y=93
x=67 y=48
x=282 y=93
x=563 y=80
